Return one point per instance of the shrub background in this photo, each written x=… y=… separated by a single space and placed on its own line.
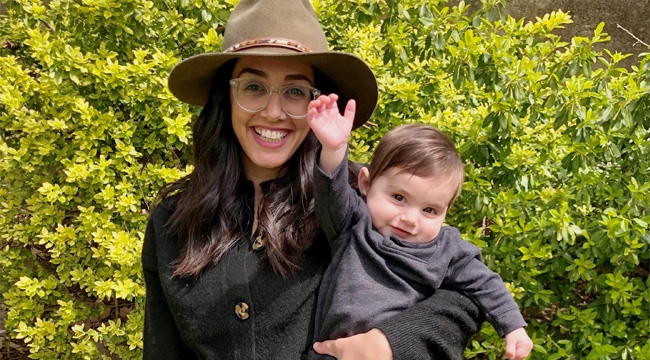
x=554 y=136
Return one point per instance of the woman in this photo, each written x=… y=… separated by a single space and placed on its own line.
x=232 y=256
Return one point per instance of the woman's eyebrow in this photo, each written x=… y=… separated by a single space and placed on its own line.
x=261 y=73
x=252 y=71
x=298 y=77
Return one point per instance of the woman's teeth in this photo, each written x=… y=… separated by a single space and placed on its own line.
x=271 y=135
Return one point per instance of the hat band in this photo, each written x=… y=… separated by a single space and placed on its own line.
x=275 y=42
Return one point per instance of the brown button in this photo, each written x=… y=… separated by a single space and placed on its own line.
x=241 y=310
x=258 y=243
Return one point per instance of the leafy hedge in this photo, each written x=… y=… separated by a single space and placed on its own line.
x=554 y=135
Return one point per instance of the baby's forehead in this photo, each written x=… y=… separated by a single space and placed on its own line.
x=434 y=190
x=408 y=180
x=400 y=174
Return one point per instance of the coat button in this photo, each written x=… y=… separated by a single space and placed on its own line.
x=241 y=310
x=258 y=243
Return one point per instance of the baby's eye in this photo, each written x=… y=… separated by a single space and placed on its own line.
x=398 y=197
x=429 y=210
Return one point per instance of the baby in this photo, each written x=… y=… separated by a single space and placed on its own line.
x=389 y=248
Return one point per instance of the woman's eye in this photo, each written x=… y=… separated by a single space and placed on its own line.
x=254 y=87
x=398 y=197
x=296 y=92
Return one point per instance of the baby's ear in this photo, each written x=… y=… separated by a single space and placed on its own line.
x=364 y=181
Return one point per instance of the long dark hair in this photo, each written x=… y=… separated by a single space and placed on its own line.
x=210 y=214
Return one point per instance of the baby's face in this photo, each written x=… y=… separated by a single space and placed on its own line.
x=412 y=208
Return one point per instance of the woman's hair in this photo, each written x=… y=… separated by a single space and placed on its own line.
x=211 y=209
x=421 y=150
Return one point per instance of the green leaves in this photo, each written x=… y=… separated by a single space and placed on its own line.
x=556 y=153
x=83 y=103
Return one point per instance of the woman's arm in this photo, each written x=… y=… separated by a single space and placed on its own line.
x=437 y=328
x=161 y=338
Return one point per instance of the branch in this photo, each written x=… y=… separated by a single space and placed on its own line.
x=632 y=35
x=48 y=25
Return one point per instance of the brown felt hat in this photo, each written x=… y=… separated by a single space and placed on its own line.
x=283 y=30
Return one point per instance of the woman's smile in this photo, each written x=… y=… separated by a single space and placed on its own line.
x=270 y=135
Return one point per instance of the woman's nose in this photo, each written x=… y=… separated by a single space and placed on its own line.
x=273 y=108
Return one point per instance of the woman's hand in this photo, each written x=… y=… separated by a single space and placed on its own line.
x=372 y=345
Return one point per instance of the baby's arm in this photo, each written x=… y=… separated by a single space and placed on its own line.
x=468 y=273
x=518 y=344
x=331 y=128
x=336 y=203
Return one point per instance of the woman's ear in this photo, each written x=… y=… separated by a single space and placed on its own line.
x=364 y=181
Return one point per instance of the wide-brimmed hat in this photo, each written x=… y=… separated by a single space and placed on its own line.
x=283 y=30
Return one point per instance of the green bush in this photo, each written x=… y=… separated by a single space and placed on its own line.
x=554 y=136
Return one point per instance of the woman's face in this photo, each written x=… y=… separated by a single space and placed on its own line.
x=269 y=138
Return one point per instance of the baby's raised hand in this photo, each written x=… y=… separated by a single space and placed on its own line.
x=331 y=128
x=518 y=344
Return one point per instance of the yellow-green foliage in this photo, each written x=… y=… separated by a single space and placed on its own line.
x=553 y=134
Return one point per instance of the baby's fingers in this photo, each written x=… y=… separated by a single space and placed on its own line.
x=311 y=113
x=323 y=102
x=350 y=110
x=511 y=350
x=331 y=100
x=314 y=104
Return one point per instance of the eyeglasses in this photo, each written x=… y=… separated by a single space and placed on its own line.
x=253 y=96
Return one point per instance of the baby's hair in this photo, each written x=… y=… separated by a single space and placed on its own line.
x=421 y=150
